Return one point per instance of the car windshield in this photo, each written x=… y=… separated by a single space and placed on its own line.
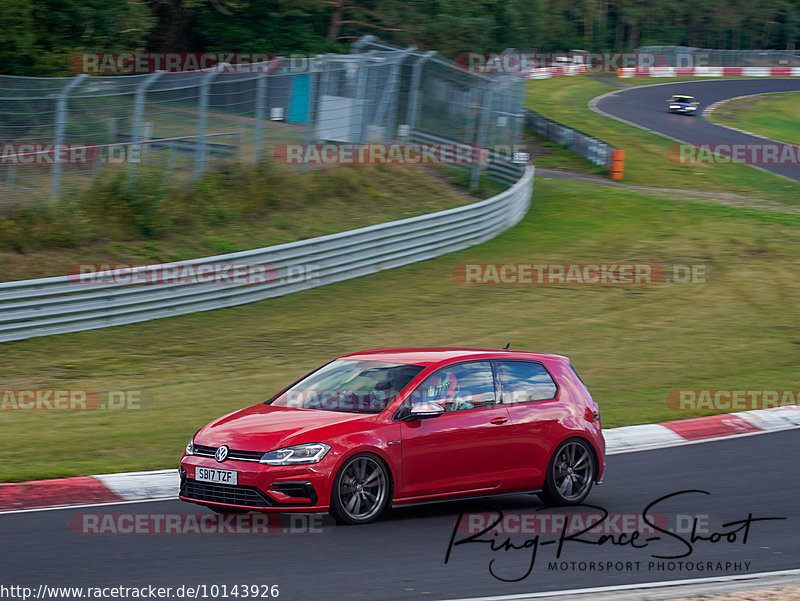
x=349 y=386
x=682 y=98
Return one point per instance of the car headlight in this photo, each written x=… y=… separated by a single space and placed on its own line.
x=692 y=108
x=674 y=106
x=296 y=455
x=190 y=446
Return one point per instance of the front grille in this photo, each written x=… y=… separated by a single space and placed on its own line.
x=249 y=496
x=202 y=451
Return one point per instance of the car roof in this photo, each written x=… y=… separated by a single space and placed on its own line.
x=427 y=356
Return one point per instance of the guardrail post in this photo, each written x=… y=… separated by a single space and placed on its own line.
x=201 y=150
x=62 y=118
x=134 y=150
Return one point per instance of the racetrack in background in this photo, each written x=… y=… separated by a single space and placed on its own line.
x=646 y=107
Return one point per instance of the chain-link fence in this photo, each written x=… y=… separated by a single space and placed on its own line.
x=59 y=135
x=686 y=56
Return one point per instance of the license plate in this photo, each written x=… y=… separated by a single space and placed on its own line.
x=210 y=474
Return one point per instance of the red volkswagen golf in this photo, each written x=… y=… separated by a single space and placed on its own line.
x=403 y=426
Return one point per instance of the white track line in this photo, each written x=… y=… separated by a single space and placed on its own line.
x=663 y=445
x=84 y=505
x=632 y=587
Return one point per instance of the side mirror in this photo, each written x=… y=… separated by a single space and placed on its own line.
x=426 y=410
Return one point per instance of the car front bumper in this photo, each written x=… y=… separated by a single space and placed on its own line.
x=260 y=487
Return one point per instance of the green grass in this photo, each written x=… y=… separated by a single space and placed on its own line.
x=631 y=345
x=774 y=116
x=564 y=99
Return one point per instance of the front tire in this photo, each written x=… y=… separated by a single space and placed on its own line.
x=360 y=491
x=570 y=474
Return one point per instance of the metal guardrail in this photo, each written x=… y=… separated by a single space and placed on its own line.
x=499 y=165
x=592 y=149
x=56 y=305
x=187 y=144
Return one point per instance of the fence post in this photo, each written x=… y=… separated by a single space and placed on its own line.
x=412 y=113
x=201 y=150
x=312 y=112
x=387 y=106
x=134 y=150
x=261 y=114
x=361 y=95
x=475 y=177
x=58 y=137
x=11 y=178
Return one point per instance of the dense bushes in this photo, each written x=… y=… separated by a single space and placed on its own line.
x=153 y=207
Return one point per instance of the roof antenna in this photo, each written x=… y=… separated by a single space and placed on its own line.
x=507 y=346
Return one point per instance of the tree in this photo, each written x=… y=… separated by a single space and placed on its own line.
x=38 y=36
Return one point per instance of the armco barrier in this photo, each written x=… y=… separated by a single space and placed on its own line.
x=556 y=71
x=592 y=149
x=709 y=72
x=56 y=305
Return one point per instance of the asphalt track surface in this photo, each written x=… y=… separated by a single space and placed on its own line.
x=402 y=555
x=646 y=107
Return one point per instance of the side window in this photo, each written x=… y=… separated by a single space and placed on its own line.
x=458 y=387
x=524 y=381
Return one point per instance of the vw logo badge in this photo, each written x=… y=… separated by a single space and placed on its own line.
x=221 y=454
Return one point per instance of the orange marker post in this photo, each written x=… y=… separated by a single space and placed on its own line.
x=617 y=164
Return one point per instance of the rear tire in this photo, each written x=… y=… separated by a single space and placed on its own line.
x=570 y=474
x=361 y=490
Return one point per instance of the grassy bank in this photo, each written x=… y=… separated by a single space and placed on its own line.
x=631 y=344
x=774 y=116
x=234 y=208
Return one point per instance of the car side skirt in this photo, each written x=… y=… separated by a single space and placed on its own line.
x=464 y=496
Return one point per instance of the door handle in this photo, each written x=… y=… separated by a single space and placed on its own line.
x=498 y=420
